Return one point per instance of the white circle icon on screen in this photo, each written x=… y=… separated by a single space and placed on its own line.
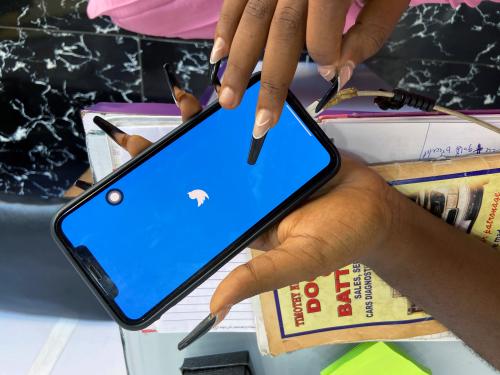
x=199 y=195
x=114 y=197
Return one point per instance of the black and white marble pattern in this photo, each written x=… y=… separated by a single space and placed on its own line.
x=46 y=78
x=67 y=15
x=54 y=61
x=449 y=54
x=190 y=62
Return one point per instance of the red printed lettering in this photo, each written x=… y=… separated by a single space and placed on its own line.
x=313 y=306
x=311 y=290
x=345 y=296
x=344 y=310
x=338 y=284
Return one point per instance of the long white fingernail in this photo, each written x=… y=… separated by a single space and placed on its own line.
x=263 y=121
x=217 y=50
x=327 y=71
x=345 y=73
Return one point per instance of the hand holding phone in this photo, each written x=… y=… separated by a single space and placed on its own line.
x=199 y=202
x=355 y=195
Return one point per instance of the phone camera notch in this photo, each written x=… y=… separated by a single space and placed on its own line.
x=114 y=197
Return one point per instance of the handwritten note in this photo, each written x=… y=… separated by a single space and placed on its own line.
x=456 y=150
x=459 y=139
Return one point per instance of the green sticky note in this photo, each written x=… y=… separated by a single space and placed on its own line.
x=375 y=358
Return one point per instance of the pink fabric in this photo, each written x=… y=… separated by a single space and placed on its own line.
x=193 y=19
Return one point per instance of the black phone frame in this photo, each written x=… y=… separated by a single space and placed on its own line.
x=225 y=255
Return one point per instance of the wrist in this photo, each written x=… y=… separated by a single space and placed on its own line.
x=402 y=222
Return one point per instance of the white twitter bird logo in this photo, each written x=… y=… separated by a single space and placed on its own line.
x=199 y=195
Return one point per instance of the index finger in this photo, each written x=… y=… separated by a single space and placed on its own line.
x=284 y=45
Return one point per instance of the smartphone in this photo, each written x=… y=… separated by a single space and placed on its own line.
x=156 y=228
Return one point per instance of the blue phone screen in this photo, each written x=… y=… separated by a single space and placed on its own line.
x=191 y=200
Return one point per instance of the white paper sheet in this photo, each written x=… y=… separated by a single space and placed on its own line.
x=191 y=310
x=382 y=140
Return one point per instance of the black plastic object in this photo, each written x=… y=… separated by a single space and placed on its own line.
x=402 y=97
x=236 y=363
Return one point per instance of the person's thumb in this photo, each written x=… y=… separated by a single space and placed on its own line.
x=297 y=259
x=373 y=26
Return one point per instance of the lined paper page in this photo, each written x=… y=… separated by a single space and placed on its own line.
x=383 y=140
x=378 y=142
x=184 y=316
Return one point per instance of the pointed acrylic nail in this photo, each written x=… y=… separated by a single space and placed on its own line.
x=84 y=185
x=217 y=50
x=330 y=93
x=213 y=71
x=255 y=148
x=263 y=122
x=202 y=328
x=171 y=81
x=327 y=71
x=345 y=73
x=109 y=128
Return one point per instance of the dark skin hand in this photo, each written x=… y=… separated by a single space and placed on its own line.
x=357 y=217
x=282 y=28
x=135 y=144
